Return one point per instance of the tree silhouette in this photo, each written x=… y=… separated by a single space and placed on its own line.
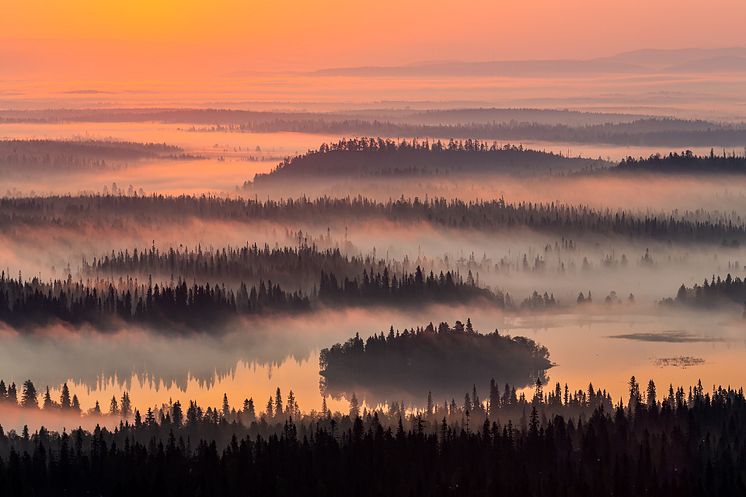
x=28 y=396
x=65 y=399
x=675 y=445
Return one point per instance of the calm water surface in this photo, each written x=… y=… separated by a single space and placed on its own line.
x=605 y=348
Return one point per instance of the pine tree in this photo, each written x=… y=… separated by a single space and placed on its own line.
x=292 y=407
x=278 y=403
x=65 y=400
x=150 y=417
x=12 y=394
x=177 y=416
x=29 y=395
x=634 y=394
x=48 y=403
x=249 y=409
x=226 y=406
x=354 y=407
x=126 y=406
x=651 y=395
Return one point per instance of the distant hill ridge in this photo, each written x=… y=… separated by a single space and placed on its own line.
x=730 y=59
x=379 y=157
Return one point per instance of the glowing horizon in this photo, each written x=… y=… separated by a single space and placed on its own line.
x=88 y=39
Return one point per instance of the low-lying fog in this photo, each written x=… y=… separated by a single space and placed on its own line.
x=603 y=343
x=597 y=343
x=223 y=162
x=518 y=262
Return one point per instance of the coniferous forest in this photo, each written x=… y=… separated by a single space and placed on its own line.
x=714 y=292
x=670 y=443
x=339 y=249
x=79 y=212
x=446 y=357
x=235 y=313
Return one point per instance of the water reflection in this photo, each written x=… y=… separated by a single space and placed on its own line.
x=254 y=361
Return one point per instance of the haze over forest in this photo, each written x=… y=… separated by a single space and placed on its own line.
x=322 y=249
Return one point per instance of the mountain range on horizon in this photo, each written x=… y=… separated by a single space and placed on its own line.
x=685 y=60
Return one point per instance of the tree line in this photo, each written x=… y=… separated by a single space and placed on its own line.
x=655 y=445
x=685 y=162
x=713 y=293
x=29 y=398
x=299 y=266
x=638 y=132
x=506 y=405
x=487 y=215
x=106 y=302
x=348 y=278
x=414 y=287
x=78 y=154
x=509 y=404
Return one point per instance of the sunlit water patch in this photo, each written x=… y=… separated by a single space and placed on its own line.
x=257 y=359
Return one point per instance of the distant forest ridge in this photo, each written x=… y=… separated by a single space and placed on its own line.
x=110 y=149
x=363 y=157
x=490 y=123
x=217 y=116
x=79 y=154
x=490 y=215
x=663 y=132
x=685 y=163
x=503 y=124
x=387 y=157
x=645 y=61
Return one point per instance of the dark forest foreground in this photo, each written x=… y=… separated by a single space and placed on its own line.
x=684 y=445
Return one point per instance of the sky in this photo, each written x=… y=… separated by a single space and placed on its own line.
x=157 y=39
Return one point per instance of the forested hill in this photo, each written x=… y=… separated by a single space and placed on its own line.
x=379 y=157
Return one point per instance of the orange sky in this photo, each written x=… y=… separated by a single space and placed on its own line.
x=140 y=39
